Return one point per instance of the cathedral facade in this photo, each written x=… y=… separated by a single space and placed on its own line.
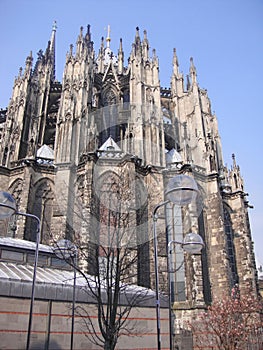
x=65 y=144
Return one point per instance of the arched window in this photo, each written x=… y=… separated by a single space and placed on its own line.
x=235 y=181
x=204 y=259
x=41 y=204
x=230 y=247
x=10 y=230
x=120 y=227
x=109 y=98
x=142 y=234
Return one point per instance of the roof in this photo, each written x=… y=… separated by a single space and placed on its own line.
x=19 y=272
x=24 y=244
x=173 y=157
x=110 y=145
x=54 y=283
x=45 y=152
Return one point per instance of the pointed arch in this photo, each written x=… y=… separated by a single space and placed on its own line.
x=204 y=259
x=230 y=245
x=41 y=204
x=109 y=96
x=9 y=227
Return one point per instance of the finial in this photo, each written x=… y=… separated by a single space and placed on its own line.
x=137 y=31
x=234 y=159
x=192 y=71
x=175 y=59
x=54 y=27
x=120 y=48
x=88 y=37
x=102 y=43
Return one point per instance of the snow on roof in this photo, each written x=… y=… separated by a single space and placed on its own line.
x=173 y=157
x=23 y=272
x=45 y=152
x=21 y=243
x=110 y=145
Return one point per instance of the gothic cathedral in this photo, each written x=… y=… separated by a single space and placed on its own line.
x=65 y=145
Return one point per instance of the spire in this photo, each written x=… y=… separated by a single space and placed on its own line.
x=145 y=46
x=29 y=61
x=154 y=56
x=120 y=58
x=137 y=35
x=108 y=56
x=137 y=42
x=88 y=35
x=108 y=39
x=175 y=64
x=102 y=45
x=234 y=160
x=79 y=46
x=52 y=49
x=192 y=71
x=101 y=57
x=80 y=37
x=120 y=47
x=88 y=41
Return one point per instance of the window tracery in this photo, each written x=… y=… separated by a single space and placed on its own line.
x=230 y=247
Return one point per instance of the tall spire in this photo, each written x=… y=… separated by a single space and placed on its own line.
x=120 y=58
x=88 y=41
x=137 y=43
x=192 y=71
x=145 y=46
x=52 y=49
x=108 y=39
x=175 y=63
x=88 y=35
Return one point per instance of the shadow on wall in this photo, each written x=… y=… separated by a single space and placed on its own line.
x=53 y=345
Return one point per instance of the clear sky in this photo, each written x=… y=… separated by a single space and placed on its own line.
x=223 y=36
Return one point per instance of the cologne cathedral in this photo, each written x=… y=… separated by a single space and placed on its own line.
x=110 y=124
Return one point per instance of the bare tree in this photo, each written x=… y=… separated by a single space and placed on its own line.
x=116 y=236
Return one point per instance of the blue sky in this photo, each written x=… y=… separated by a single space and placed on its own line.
x=223 y=36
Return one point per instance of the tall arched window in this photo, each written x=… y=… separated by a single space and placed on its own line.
x=41 y=204
x=142 y=234
x=230 y=247
x=10 y=229
x=204 y=259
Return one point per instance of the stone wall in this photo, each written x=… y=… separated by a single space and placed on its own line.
x=51 y=328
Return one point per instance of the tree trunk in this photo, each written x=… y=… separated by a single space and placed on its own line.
x=110 y=344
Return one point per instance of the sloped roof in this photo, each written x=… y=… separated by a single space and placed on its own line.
x=110 y=145
x=56 y=283
x=173 y=157
x=45 y=152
